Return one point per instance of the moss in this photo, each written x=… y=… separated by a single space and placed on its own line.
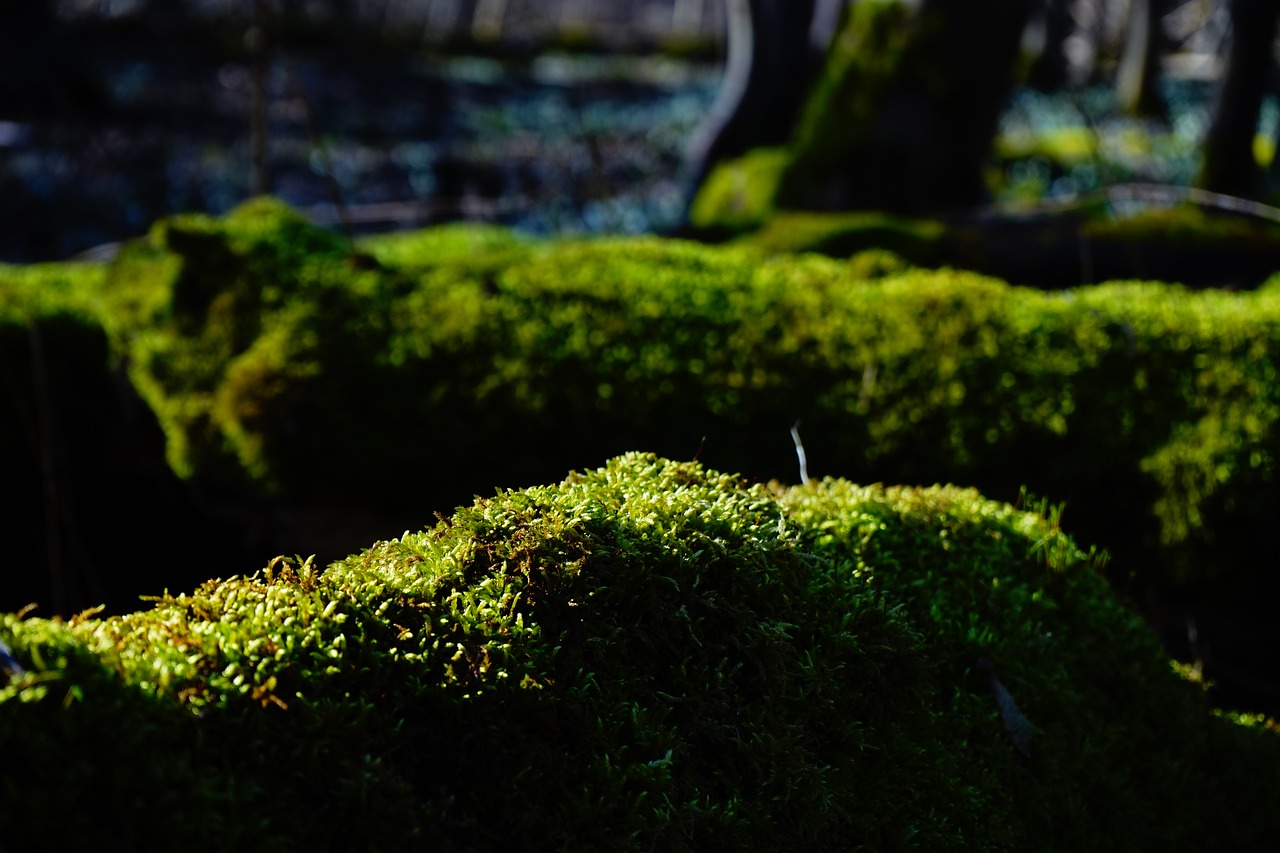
x=447 y=245
x=44 y=290
x=841 y=235
x=739 y=193
x=279 y=359
x=1063 y=147
x=219 y=316
x=1184 y=225
x=648 y=656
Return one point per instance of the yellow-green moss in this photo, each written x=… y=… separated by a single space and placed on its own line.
x=648 y=656
x=45 y=290
x=423 y=367
x=1065 y=147
x=739 y=193
x=842 y=235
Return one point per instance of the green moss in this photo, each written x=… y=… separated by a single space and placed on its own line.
x=738 y=194
x=47 y=290
x=219 y=317
x=279 y=359
x=647 y=656
x=841 y=235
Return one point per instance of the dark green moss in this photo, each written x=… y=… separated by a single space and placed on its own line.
x=1185 y=225
x=648 y=656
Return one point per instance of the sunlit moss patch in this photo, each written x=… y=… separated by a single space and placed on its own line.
x=650 y=655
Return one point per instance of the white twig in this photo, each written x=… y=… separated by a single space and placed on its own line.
x=804 y=465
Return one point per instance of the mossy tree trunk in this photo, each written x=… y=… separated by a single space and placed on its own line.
x=904 y=114
x=1229 y=164
x=1138 y=76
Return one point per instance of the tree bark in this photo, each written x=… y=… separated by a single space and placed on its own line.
x=768 y=70
x=1138 y=76
x=1229 y=164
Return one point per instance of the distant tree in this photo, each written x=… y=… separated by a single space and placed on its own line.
x=1229 y=164
x=1049 y=70
x=904 y=115
x=1138 y=74
x=770 y=63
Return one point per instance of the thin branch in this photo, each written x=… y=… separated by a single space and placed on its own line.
x=804 y=465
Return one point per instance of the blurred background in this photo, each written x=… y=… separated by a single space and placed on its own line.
x=554 y=116
x=551 y=115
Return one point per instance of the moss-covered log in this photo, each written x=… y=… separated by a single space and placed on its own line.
x=428 y=367
x=647 y=656
x=273 y=355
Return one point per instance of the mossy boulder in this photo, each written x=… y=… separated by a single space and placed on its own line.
x=648 y=656
x=738 y=194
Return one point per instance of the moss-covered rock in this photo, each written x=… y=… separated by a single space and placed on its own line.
x=647 y=656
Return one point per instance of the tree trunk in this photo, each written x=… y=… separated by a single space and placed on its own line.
x=487 y=23
x=906 y=110
x=767 y=74
x=1229 y=164
x=1049 y=71
x=1138 y=76
x=686 y=16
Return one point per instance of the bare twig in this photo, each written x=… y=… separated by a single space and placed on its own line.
x=804 y=465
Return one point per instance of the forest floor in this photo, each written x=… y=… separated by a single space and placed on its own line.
x=550 y=144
